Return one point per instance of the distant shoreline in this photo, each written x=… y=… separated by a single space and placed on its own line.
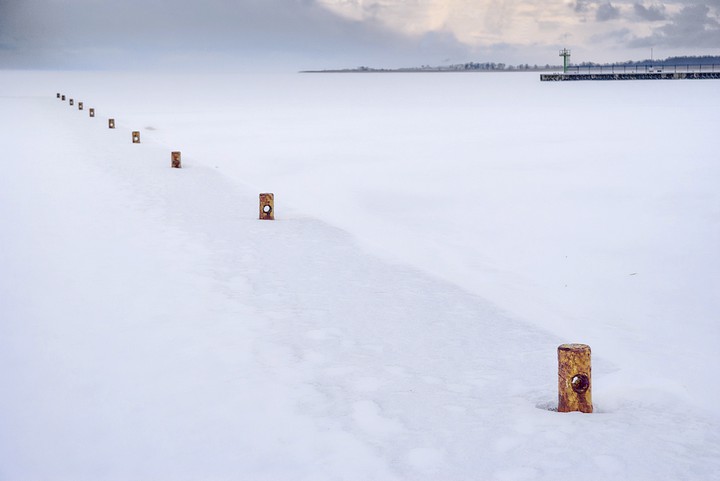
x=430 y=70
x=711 y=61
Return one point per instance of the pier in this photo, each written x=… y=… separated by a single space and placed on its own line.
x=644 y=72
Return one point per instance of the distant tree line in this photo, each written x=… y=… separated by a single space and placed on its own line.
x=502 y=67
x=488 y=66
x=670 y=61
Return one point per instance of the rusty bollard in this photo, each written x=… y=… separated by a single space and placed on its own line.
x=175 y=160
x=136 y=137
x=92 y=112
x=71 y=102
x=80 y=105
x=267 y=207
x=62 y=97
x=574 y=378
x=111 y=123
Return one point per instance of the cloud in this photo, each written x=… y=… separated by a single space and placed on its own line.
x=607 y=11
x=617 y=36
x=581 y=6
x=695 y=26
x=604 y=10
x=653 y=13
x=689 y=27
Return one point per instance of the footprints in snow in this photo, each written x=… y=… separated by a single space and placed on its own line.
x=360 y=394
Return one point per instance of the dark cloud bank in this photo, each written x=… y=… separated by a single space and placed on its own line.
x=695 y=27
x=218 y=33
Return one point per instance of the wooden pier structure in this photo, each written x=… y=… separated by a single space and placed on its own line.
x=555 y=77
x=644 y=72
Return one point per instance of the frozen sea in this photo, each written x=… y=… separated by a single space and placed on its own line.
x=437 y=236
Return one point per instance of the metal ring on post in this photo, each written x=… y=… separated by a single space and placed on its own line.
x=267 y=206
x=574 y=378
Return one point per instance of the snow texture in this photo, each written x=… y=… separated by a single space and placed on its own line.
x=437 y=237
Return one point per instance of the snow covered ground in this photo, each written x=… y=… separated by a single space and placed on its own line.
x=437 y=237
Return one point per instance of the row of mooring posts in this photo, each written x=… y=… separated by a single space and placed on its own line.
x=175 y=156
x=267 y=200
x=574 y=366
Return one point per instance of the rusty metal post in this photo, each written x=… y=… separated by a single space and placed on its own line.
x=71 y=102
x=111 y=123
x=175 y=160
x=267 y=206
x=80 y=105
x=62 y=97
x=574 y=378
x=92 y=112
x=136 y=137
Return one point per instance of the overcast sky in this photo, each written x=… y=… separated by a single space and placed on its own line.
x=297 y=34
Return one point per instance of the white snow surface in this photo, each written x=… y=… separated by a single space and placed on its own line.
x=437 y=237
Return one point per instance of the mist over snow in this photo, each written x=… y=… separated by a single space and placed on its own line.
x=437 y=236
